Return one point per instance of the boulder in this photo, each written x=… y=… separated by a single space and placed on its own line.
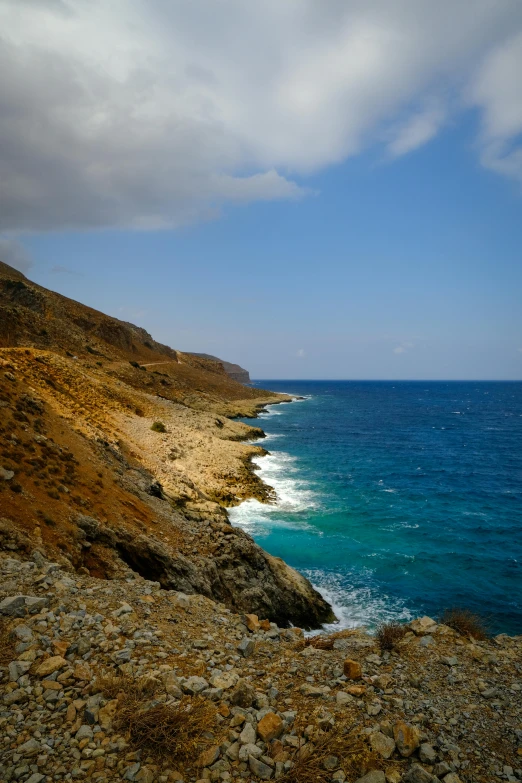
x=406 y=738
x=352 y=669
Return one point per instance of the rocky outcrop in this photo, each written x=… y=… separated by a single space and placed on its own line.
x=234 y=371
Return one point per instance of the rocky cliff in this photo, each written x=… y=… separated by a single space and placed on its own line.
x=236 y=372
x=117 y=451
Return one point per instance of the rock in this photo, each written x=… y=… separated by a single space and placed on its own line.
x=259 y=769
x=252 y=622
x=441 y=769
x=35 y=778
x=84 y=732
x=330 y=763
x=209 y=756
x=180 y=600
x=107 y=713
x=17 y=669
x=14 y=606
x=246 y=647
x=225 y=681
x=34 y=604
x=423 y=625
x=51 y=665
x=270 y=727
x=6 y=475
x=417 y=774
x=29 y=748
x=243 y=695
x=249 y=750
x=382 y=744
x=427 y=754
x=375 y=776
x=374 y=708
x=406 y=738
x=449 y=660
x=248 y=735
x=342 y=698
x=194 y=685
x=452 y=778
x=352 y=669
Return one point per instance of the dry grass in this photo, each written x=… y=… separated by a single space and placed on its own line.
x=466 y=623
x=388 y=635
x=323 y=642
x=348 y=747
x=7 y=645
x=161 y=729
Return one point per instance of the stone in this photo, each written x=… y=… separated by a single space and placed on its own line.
x=29 y=748
x=406 y=738
x=259 y=768
x=330 y=763
x=427 y=754
x=35 y=778
x=194 y=685
x=252 y=622
x=51 y=665
x=82 y=672
x=374 y=708
x=23 y=633
x=382 y=744
x=452 y=778
x=6 y=475
x=246 y=647
x=225 y=681
x=352 y=669
x=33 y=604
x=342 y=698
x=417 y=774
x=423 y=625
x=248 y=735
x=60 y=646
x=249 y=750
x=180 y=600
x=441 y=769
x=84 y=732
x=17 y=669
x=243 y=695
x=14 y=606
x=209 y=756
x=375 y=776
x=270 y=727
x=107 y=713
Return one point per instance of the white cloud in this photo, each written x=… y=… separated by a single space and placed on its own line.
x=403 y=347
x=155 y=113
x=418 y=129
x=301 y=353
x=399 y=349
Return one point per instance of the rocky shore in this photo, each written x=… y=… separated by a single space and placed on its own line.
x=257 y=702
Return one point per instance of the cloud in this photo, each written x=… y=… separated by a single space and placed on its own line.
x=418 y=129
x=158 y=113
x=12 y=253
x=301 y=353
x=403 y=347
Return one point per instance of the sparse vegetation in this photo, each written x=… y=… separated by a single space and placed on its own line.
x=158 y=426
x=7 y=646
x=159 y=728
x=466 y=622
x=389 y=635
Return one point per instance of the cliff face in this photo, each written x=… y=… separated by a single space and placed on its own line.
x=86 y=480
x=234 y=371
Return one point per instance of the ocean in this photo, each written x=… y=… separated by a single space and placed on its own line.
x=396 y=499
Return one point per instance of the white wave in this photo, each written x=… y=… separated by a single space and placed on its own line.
x=355 y=606
x=294 y=497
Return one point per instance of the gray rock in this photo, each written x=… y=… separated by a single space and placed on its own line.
x=6 y=475
x=330 y=763
x=441 y=769
x=17 y=669
x=375 y=776
x=248 y=735
x=259 y=769
x=249 y=750
x=84 y=732
x=417 y=774
x=193 y=685
x=243 y=694
x=452 y=778
x=34 y=604
x=35 y=778
x=23 y=632
x=14 y=606
x=246 y=647
x=29 y=748
x=427 y=754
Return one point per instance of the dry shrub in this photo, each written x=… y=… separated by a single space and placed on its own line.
x=7 y=645
x=323 y=642
x=388 y=635
x=159 y=728
x=466 y=622
x=352 y=752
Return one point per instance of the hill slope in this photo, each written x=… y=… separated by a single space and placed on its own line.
x=236 y=372
x=84 y=478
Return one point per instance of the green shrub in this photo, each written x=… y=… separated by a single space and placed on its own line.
x=158 y=426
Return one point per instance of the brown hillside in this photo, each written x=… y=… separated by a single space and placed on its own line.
x=86 y=479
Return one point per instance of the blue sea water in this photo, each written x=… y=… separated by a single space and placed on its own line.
x=397 y=498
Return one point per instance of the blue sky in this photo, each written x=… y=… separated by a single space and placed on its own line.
x=386 y=246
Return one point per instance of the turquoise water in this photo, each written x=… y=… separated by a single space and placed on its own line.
x=397 y=498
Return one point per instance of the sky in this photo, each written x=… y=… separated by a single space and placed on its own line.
x=312 y=190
